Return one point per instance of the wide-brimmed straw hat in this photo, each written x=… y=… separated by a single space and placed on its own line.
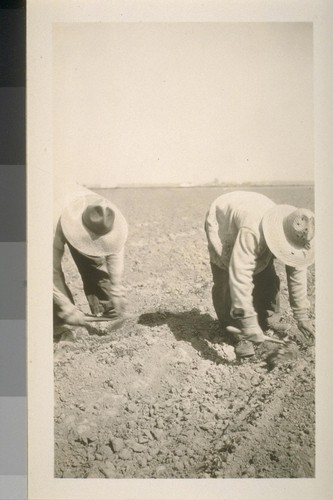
x=289 y=234
x=94 y=226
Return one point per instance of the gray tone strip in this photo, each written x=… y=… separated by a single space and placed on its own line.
x=12 y=358
x=12 y=203
x=13 y=279
x=13 y=436
x=12 y=126
x=13 y=488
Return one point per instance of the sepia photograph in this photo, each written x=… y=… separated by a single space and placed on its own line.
x=181 y=325
x=183 y=249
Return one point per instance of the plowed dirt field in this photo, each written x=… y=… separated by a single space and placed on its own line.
x=164 y=396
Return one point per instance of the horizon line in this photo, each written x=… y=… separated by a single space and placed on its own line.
x=209 y=184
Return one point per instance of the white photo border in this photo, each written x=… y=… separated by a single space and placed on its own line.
x=41 y=15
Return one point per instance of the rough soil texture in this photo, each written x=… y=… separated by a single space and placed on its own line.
x=164 y=396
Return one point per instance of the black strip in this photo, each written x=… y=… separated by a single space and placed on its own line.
x=12 y=43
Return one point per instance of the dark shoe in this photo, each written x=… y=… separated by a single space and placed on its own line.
x=244 y=349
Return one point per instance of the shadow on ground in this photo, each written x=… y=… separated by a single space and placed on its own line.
x=193 y=327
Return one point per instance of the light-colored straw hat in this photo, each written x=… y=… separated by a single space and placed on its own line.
x=289 y=234
x=94 y=226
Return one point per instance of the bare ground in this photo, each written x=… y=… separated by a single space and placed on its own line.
x=164 y=396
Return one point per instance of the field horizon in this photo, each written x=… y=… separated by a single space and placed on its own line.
x=208 y=184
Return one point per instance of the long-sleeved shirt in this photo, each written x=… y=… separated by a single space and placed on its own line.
x=64 y=195
x=237 y=244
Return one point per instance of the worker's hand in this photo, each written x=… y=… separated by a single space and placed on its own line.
x=73 y=317
x=306 y=327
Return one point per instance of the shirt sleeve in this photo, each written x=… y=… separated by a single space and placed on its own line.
x=115 y=267
x=297 y=286
x=61 y=294
x=241 y=269
x=212 y=231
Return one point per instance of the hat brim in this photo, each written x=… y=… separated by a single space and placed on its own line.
x=277 y=242
x=84 y=240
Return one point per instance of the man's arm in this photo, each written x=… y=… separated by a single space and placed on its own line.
x=212 y=231
x=241 y=269
x=115 y=267
x=297 y=286
x=61 y=294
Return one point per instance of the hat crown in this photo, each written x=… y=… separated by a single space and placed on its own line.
x=299 y=227
x=98 y=218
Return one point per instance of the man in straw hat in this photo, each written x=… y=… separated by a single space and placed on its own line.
x=245 y=232
x=95 y=232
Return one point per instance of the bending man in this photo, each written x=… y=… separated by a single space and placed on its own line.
x=95 y=232
x=245 y=232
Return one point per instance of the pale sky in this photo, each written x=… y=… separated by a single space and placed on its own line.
x=183 y=102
